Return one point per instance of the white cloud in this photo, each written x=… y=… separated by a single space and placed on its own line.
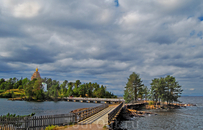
x=22 y=8
x=95 y=38
x=28 y=9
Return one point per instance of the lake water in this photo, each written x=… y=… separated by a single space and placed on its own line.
x=40 y=108
x=189 y=118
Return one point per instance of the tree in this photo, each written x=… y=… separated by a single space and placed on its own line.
x=12 y=94
x=173 y=89
x=77 y=83
x=53 y=91
x=70 y=90
x=49 y=83
x=63 y=87
x=154 y=89
x=25 y=81
x=133 y=88
x=145 y=92
x=82 y=90
x=28 y=91
x=2 y=81
x=38 y=90
x=165 y=89
x=3 y=85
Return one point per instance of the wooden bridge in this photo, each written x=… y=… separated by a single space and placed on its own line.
x=100 y=114
x=93 y=100
x=106 y=116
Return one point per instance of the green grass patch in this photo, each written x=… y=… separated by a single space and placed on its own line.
x=51 y=127
x=7 y=93
x=151 y=102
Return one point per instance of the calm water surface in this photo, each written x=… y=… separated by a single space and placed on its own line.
x=40 y=108
x=189 y=118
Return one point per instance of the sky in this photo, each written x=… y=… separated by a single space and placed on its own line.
x=103 y=41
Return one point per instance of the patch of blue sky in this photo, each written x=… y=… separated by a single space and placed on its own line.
x=116 y=3
x=192 y=33
x=199 y=34
x=201 y=18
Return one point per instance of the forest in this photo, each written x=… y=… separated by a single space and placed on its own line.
x=34 y=89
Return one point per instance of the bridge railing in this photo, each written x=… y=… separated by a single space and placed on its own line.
x=35 y=122
x=113 y=113
x=94 y=99
x=89 y=112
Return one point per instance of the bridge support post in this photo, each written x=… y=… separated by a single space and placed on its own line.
x=108 y=102
x=114 y=102
x=97 y=101
x=90 y=101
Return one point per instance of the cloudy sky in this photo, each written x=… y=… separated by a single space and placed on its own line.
x=103 y=41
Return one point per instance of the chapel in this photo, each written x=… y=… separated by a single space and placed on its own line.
x=35 y=75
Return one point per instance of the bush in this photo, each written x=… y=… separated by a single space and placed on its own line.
x=71 y=123
x=22 y=95
x=151 y=103
x=7 y=95
x=13 y=94
x=20 y=87
x=51 y=127
x=1 y=91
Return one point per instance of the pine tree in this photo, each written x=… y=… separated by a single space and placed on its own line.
x=133 y=88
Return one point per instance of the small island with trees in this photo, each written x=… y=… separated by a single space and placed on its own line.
x=164 y=91
x=33 y=90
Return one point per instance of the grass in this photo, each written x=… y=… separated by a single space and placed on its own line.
x=17 y=92
x=151 y=103
x=52 y=127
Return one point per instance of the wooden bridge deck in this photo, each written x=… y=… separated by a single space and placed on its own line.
x=100 y=117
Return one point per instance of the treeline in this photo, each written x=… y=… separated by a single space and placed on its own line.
x=163 y=89
x=34 y=90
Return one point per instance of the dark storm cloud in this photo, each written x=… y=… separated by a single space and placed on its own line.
x=32 y=54
x=5 y=68
x=10 y=29
x=182 y=64
x=103 y=41
x=11 y=33
x=161 y=39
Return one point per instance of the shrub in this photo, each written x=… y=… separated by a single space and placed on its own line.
x=13 y=94
x=151 y=103
x=51 y=127
x=22 y=95
x=1 y=91
x=20 y=87
x=7 y=95
x=71 y=123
